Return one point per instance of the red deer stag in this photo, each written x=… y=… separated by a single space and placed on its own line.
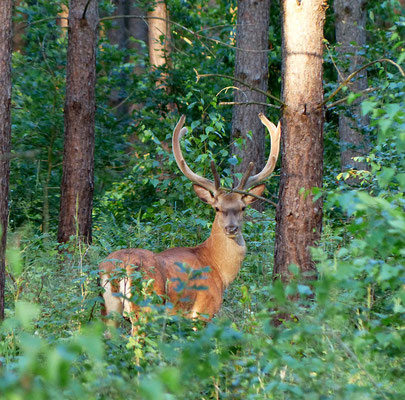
x=223 y=252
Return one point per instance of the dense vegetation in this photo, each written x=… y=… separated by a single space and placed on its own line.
x=345 y=336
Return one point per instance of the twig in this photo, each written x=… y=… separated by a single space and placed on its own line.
x=145 y=17
x=23 y=154
x=365 y=91
x=353 y=74
x=249 y=86
x=196 y=34
x=352 y=355
x=333 y=62
x=242 y=103
x=21 y=27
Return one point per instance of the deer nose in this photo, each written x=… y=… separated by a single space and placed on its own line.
x=231 y=229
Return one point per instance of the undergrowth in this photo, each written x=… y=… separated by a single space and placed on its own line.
x=344 y=338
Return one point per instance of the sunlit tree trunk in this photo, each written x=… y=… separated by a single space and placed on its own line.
x=350 y=26
x=299 y=217
x=251 y=66
x=63 y=15
x=5 y=133
x=78 y=157
x=158 y=27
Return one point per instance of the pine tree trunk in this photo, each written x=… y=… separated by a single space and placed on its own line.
x=5 y=134
x=18 y=29
x=299 y=218
x=158 y=26
x=78 y=158
x=251 y=66
x=350 y=26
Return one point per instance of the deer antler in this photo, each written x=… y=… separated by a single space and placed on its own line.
x=247 y=181
x=275 y=133
x=178 y=133
x=245 y=177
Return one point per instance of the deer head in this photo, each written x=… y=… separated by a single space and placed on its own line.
x=229 y=205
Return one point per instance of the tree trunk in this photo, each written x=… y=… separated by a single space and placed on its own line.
x=299 y=217
x=120 y=33
x=251 y=66
x=350 y=26
x=158 y=26
x=63 y=15
x=5 y=134
x=78 y=157
x=18 y=30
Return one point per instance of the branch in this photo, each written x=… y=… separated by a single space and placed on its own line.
x=21 y=27
x=249 y=194
x=349 y=352
x=249 y=86
x=353 y=74
x=196 y=34
x=145 y=17
x=24 y=154
x=368 y=90
x=243 y=103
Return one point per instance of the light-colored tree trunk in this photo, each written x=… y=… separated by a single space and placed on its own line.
x=299 y=217
x=350 y=26
x=63 y=15
x=5 y=134
x=78 y=157
x=251 y=66
x=159 y=37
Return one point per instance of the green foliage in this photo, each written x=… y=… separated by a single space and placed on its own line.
x=342 y=339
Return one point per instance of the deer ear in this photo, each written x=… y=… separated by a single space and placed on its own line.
x=204 y=194
x=257 y=190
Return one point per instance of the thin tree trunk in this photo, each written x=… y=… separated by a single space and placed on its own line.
x=18 y=30
x=5 y=134
x=252 y=67
x=64 y=15
x=120 y=33
x=158 y=26
x=299 y=218
x=78 y=158
x=350 y=26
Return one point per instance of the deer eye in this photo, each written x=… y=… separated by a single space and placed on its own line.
x=216 y=209
x=243 y=208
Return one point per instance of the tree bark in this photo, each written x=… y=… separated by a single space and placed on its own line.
x=350 y=26
x=298 y=216
x=158 y=26
x=18 y=30
x=5 y=134
x=123 y=29
x=252 y=67
x=78 y=157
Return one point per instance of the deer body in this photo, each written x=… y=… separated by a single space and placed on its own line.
x=223 y=252
x=162 y=268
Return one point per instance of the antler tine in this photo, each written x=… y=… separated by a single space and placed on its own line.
x=245 y=176
x=275 y=133
x=178 y=133
x=217 y=180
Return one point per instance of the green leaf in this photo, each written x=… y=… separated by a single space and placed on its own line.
x=385 y=177
x=26 y=313
x=367 y=106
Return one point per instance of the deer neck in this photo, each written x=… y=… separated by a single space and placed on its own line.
x=224 y=253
